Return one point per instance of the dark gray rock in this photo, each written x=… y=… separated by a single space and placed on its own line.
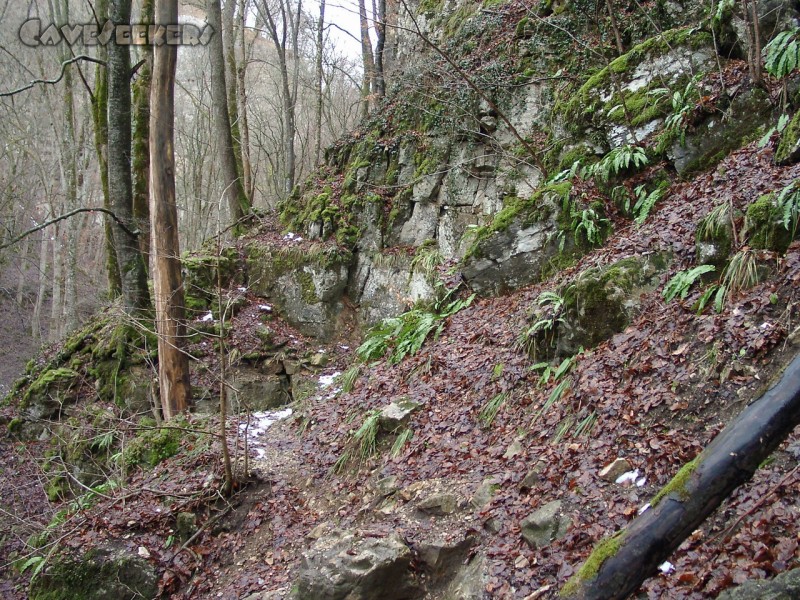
x=545 y=525
x=346 y=566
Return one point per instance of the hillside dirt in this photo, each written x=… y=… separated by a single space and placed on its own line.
x=655 y=394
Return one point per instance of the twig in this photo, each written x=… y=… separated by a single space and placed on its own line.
x=72 y=213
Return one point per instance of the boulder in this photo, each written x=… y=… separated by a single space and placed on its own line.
x=347 y=566
x=603 y=301
x=614 y=469
x=397 y=414
x=112 y=572
x=545 y=525
x=258 y=391
x=438 y=504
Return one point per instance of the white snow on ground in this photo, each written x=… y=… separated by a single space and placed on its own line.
x=259 y=423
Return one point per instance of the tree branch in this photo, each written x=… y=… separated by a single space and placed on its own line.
x=72 y=213
x=57 y=79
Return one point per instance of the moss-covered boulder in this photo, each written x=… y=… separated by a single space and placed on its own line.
x=765 y=227
x=516 y=247
x=602 y=302
x=108 y=573
x=47 y=394
x=720 y=134
x=305 y=283
x=788 y=151
x=204 y=270
x=625 y=102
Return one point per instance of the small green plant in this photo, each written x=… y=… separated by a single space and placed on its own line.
x=739 y=274
x=546 y=319
x=679 y=284
x=714 y=224
x=783 y=121
x=402 y=439
x=427 y=258
x=645 y=201
x=404 y=335
x=348 y=379
x=617 y=161
x=782 y=54
x=788 y=203
x=589 y=223
x=489 y=410
x=683 y=103
x=367 y=435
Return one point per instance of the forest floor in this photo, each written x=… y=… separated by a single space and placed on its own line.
x=655 y=393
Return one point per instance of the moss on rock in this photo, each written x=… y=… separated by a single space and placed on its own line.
x=788 y=151
x=764 y=225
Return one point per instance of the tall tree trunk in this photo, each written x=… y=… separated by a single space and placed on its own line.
x=320 y=75
x=36 y=315
x=379 y=10
x=140 y=157
x=100 y=118
x=135 y=295
x=233 y=190
x=367 y=58
x=173 y=364
x=244 y=125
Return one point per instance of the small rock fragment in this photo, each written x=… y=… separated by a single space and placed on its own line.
x=613 y=470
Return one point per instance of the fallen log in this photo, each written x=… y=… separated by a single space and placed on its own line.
x=620 y=564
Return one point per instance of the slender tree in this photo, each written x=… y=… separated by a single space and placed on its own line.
x=173 y=364
x=367 y=58
x=135 y=294
x=233 y=190
x=141 y=133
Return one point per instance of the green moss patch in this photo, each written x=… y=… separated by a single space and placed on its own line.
x=604 y=550
x=677 y=484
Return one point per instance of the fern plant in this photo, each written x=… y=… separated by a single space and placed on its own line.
x=679 y=284
x=782 y=54
x=788 y=203
x=645 y=201
x=617 y=161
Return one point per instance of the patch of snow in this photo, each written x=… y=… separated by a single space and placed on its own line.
x=207 y=318
x=265 y=307
x=327 y=380
x=666 y=567
x=259 y=423
x=641 y=482
x=643 y=508
x=629 y=476
x=343 y=347
x=242 y=289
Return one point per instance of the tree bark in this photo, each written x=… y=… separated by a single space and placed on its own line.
x=379 y=10
x=100 y=118
x=173 y=364
x=233 y=191
x=135 y=294
x=318 y=82
x=140 y=159
x=244 y=125
x=701 y=486
x=367 y=58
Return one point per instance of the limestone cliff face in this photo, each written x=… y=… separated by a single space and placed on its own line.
x=442 y=172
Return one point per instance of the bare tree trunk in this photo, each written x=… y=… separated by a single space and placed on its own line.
x=367 y=58
x=140 y=157
x=318 y=82
x=56 y=299
x=36 y=315
x=379 y=11
x=233 y=191
x=23 y=270
x=100 y=118
x=695 y=492
x=244 y=126
x=615 y=27
x=135 y=294
x=173 y=364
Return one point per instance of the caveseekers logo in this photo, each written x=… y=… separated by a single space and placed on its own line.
x=33 y=33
